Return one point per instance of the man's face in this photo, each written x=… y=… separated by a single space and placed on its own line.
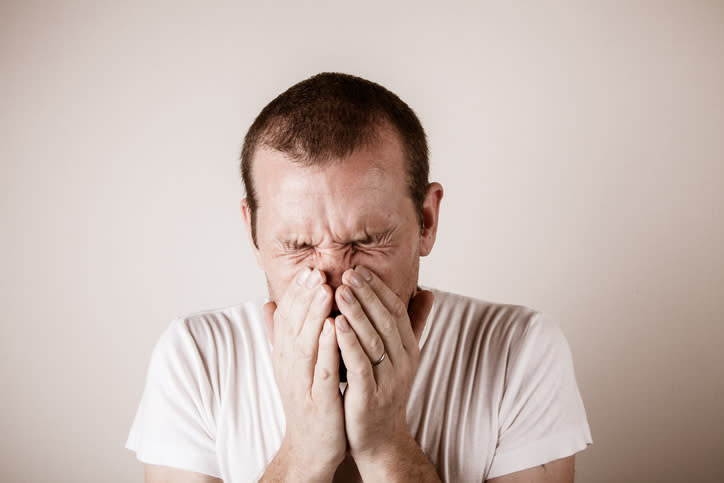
x=353 y=211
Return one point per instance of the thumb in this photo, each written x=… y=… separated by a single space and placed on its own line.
x=418 y=310
x=269 y=309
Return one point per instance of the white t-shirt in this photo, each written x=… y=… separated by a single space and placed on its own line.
x=495 y=393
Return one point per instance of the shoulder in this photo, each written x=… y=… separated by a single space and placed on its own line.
x=499 y=334
x=213 y=332
x=480 y=318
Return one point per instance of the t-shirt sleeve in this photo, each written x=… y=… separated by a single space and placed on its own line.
x=541 y=416
x=175 y=424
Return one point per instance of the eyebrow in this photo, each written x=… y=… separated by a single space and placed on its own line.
x=379 y=236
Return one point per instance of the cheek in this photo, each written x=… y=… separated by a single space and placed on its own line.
x=279 y=274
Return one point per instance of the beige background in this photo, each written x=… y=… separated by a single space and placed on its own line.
x=581 y=145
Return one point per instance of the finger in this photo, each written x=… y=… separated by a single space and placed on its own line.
x=293 y=314
x=419 y=310
x=288 y=312
x=386 y=322
x=367 y=335
x=325 y=386
x=307 y=320
x=302 y=293
x=360 y=376
x=318 y=311
x=393 y=304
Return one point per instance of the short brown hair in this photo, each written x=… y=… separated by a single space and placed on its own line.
x=329 y=116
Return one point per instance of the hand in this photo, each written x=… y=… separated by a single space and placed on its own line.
x=306 y=368
x=374 y=321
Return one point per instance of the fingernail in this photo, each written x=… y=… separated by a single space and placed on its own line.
x=354 y=279
x=341 y=323
x=302 y=276
x=314 y=279
x=327 y=329
x=346 y=294
x=366 y=274
x=320 y=295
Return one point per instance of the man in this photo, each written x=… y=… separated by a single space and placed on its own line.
x=439 y=386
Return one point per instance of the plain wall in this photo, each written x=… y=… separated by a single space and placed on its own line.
x=580 y=144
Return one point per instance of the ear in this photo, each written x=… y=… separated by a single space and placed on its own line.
x=430 y=216
x=246 y=213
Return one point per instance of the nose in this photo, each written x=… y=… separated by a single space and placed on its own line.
x=333 y=263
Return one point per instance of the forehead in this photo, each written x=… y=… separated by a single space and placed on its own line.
x=368 y=167
x=369 y=183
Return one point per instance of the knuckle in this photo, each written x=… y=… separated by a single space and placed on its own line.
x=323 y=374
x=387 y=323
x=315 y=315
x=355 y=309
x=398 y=308
x=302 y=351
x=368 y=295
x=363 y=372
x=376 y=346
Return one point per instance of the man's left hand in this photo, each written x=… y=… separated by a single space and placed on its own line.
x=378 y=336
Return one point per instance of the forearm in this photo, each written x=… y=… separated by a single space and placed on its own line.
x=401 y=461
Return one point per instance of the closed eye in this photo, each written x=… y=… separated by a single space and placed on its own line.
x=373 y=245
x=292 y=249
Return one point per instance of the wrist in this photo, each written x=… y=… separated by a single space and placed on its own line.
x=400 y=460
x=388 y=461
x=295 y=462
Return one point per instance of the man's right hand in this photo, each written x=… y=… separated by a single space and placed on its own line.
x=306 y=368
